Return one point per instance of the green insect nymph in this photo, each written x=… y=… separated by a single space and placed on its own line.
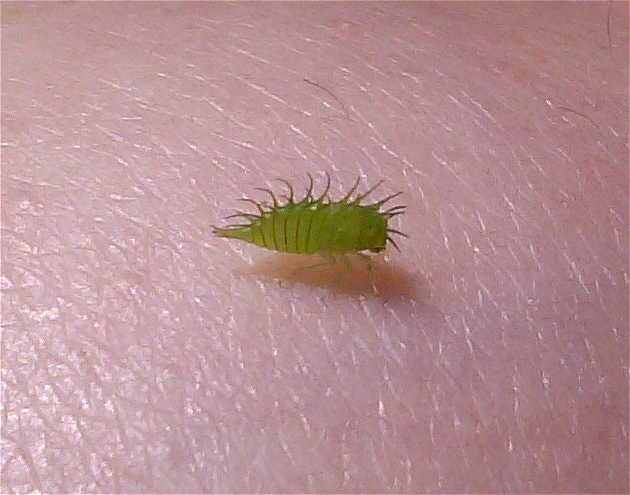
x=317 y=225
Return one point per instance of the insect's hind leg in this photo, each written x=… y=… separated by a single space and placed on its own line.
x=329 y=260
x=335 y=282
x=371 y=272
x=368 y=261
x=346 y=262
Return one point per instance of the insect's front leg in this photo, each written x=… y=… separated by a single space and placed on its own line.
x=329 y=260
x=368 y=261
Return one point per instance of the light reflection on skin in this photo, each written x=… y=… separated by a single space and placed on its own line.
x=141 y=354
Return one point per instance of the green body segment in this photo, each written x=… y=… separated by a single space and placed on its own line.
x=315 y=228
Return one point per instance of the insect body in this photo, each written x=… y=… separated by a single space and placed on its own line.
x=317 y=225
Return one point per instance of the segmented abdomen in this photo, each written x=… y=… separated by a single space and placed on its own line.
x=290 y=230
x=316 y=225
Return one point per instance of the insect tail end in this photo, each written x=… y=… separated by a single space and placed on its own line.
x=219 y=232
x=242 y=232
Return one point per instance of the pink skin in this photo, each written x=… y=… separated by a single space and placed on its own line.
x=141 y=354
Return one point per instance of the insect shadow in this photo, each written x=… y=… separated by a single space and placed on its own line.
x=383 y=279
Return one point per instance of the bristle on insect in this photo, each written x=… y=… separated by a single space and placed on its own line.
x=316 y=224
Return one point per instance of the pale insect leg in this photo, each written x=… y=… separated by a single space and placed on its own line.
x=329 y=260
x=346 y=261
x=346 y=264
x=368 y=261
x=371 y=272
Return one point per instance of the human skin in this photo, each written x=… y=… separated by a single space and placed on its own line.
x=142 y=354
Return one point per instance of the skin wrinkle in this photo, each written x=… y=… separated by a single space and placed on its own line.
x=149 y=313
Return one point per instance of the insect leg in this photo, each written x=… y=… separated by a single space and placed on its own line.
x=346 y=262
x=329 y=260
x=371 y=272
x=367 y=260
x=340 y=275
